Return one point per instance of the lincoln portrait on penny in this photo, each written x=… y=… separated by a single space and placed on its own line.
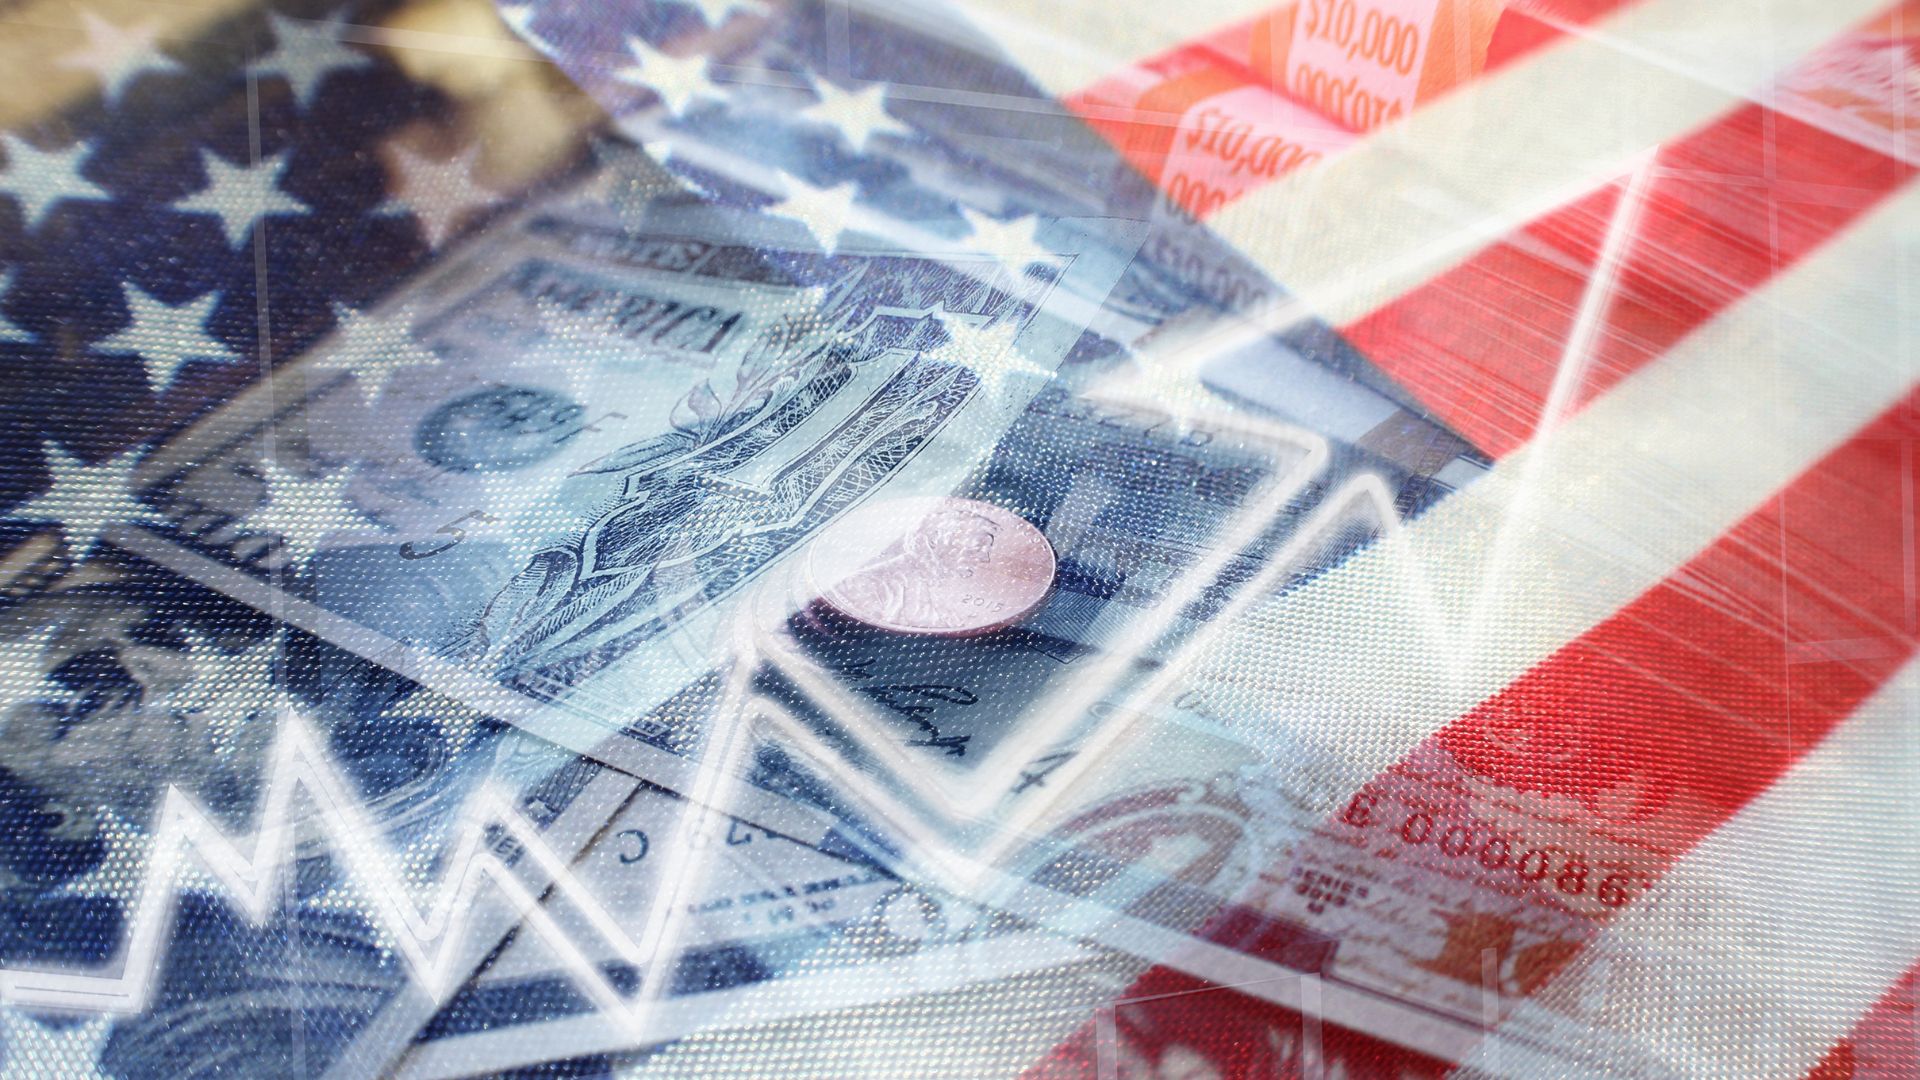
x=904 y=584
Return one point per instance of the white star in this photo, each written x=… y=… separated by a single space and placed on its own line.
x=303 y=510
x=519 y=18
x=230 y=691
x=8 y=330
x=85 y=499
x=824 y=211
x=118 y=873
x=166 y=336
x=988 y=352
x=857 y=114
x=118 y=55
x=36 y=1051
x=717 y=11
x=305 y=53
x=676 y=79
x=25 y=663
x=373 y=348
x=440 y=193
x=241 y=195
x=1012 y=240
x=37 y=178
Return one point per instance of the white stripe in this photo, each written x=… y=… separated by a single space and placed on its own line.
x=1350 y=234
x=1768 y=942
x=1378 y=654
x=1068 y=45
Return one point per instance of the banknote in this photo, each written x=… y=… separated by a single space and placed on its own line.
x=1143 y=556
x=1188 y=825
x=220 y=825
x=960 y=743
x=1426 y=909
x=768 y=929
x=1217 y=475
x=538 y=479
x=541 y=478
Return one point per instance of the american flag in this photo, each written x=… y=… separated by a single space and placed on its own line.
x=1682 y=324
x=1658 y=263
x=211 y=191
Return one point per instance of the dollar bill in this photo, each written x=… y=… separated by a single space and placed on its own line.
x=1424 y=909
x=1188 y=826
x=1153 y=517
x=476 y=446
x=1122 y=905
x=538 y=480
x=770 y=929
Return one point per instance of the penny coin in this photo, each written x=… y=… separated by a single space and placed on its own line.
x=935 y=565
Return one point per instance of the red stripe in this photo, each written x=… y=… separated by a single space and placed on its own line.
x=1728 y=207
x=1671 y=715
x=1885 y=1044
x=1139 y=108
x=1654 y=728
x=1707 y=687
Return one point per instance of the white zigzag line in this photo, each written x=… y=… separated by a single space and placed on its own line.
x=428 y=940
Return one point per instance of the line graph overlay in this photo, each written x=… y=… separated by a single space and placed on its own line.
x=427 y=938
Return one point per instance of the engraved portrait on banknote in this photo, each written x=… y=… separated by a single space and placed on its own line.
x=687 y=521
x=539 y=475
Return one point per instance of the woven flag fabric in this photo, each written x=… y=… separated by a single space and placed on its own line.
x=684 y=538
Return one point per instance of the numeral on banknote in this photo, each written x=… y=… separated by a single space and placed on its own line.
x=451 y=529
x=1384 y=39
x=1567 y=872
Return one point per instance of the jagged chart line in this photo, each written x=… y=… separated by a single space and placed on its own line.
x=963 y=868
x=427 y=940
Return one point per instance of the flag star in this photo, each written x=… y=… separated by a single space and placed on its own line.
x=989 y=352
x=1012 y=240
x=441 y=194
x=25 y=665
x=676 y=80
x=166 y=336
x=37 y=178
x=305 y=53
x=717 y=11
x=240 y=195
x=85 y=499
x=857 y=114
x=229 y=691
x=117 y=55
x=519 y=18
x=9 y=331
x=121 y=865
x=373 y=348
x=824 y=211
x=37 y=1051
x=304 y=510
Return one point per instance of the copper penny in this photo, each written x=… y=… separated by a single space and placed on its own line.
x=932 y=566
